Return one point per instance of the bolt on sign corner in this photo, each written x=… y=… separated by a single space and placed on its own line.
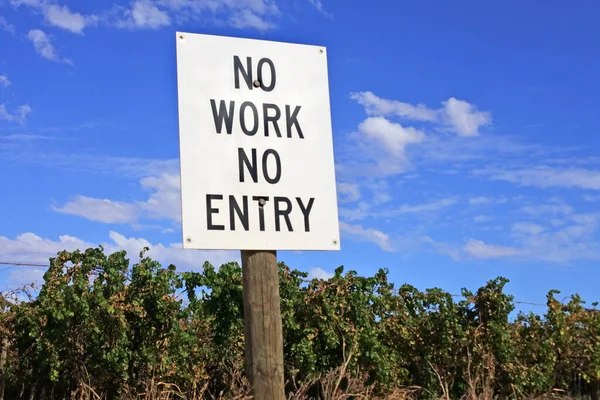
x=256 y=147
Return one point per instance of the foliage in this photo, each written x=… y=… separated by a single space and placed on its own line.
x=102 y=327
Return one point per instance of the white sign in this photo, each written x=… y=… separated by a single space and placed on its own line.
x=256 y=151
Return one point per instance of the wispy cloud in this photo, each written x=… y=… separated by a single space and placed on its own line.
x=6 y=26
x=479 y=249
x=101 y=164
x=44 y=47
x=367 y=235
x=144 y=14
x=419 y=208
x=26 y=276
x=545 y=176
x=19 y=115
x=483 y=218
x=550 y=209
x=365 y=209
x=100 y=210
x=25 y=137
x=348 y=192
x=4 y=81
x=527 y=228
x=552 y=232
x=575 y=238
x=318 y=5
x=156 y=14
x=248 y=19
x=480 y=200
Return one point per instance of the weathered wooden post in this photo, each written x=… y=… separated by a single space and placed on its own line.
x=3 y=353
x=262 y=320
x=257 y=171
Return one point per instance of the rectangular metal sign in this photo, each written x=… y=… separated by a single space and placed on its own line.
x=256 y=148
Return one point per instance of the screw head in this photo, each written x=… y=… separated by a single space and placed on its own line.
x=262 y=202
x=180 y=36
x=256 y=83
x=335 y=242
x=321 y=51
x=189 y=240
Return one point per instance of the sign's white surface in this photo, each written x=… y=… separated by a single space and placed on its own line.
x=256 y=150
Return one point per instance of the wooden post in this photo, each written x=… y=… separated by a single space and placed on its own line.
x=262 y=324
x=3 y=353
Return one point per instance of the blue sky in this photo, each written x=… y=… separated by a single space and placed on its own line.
x=465 y=134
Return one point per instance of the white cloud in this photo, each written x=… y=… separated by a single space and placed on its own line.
x=171 y=253
x=43 y=46
x=528 y=228
x=380 y=197
x=25 y=137
x=197 y=6
x=248 y=19
x=348 y=192
x=361 y=211
x=164 y=203
x=26 y=276
x=546 y=177
x=62 y=17
x=483 y=218
x=375 y=105
x=364 y=209
x=480 y=200
x=458 y=116
x=547 y=209
x=100 y=210
x=29 y=3
x=444 y=248
x=155 y=14
x=144 y=14
x=368 y=234
x=463 y=117
x=102 y=164
x=478 y=249
x=391 y=136
x=19 y=115
x=4 y=81
x=424 y=207
x=573 y=239
x=318 y=5
x=241 y=14
x=5 y=25
x=29 y=247
x=318 y=273
x=566 y=238
x=377 y=149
